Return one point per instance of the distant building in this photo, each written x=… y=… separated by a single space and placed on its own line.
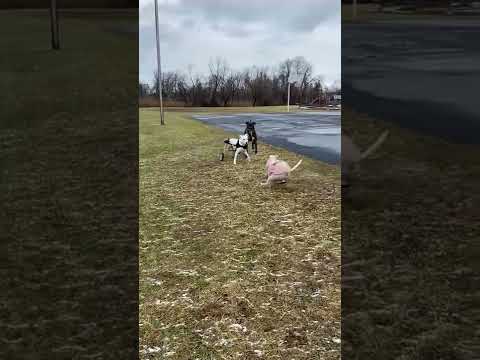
x=333 y=99
x=329 y=99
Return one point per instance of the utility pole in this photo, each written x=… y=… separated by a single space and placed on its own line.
x=54 y=25
x=288 y=97
x=159 y=67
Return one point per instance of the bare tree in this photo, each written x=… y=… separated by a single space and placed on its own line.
x=170 y=84
x=257 y=85
x=230 y=87
x=316 y=91
x=236 y=80
x=249 y=79
x=192 y=84
x=183 y=91
x=285 y=71
x=303 y=72
x=218 y=71
x=143 y=90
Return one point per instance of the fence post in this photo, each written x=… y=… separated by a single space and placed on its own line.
x=54 y=24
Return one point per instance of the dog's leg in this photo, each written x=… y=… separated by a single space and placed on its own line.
x=225 y=148
x=235 y=157
x=246 y=154
x=222 y=156
x=276 y=179
x=272 y=180
x=266 y=182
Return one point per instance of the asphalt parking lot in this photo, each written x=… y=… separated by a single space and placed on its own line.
x=314 y=134
x=420 y=75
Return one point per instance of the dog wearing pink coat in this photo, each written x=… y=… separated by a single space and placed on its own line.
x=277 y=170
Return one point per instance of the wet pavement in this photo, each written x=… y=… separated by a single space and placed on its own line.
x=420 y=75
x=314 y=134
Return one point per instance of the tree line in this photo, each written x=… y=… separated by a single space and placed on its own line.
x=64 y=4
x=224 y=86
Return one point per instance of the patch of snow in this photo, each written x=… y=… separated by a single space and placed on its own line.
x=258 y=353
x=151 y=350
x=238 y=327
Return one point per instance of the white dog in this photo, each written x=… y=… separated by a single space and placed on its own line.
x=278 y=170
x=239 y=145
x=351 y=154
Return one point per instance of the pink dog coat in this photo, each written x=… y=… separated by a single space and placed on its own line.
x=277 y=168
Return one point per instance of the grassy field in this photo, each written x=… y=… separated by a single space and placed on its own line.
x=410 y=247
x=34 y=77
x=229 y=269
x=67 y=119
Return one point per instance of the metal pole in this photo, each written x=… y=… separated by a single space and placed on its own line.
x=159 y=68
x=54 y=24
x=288 y=97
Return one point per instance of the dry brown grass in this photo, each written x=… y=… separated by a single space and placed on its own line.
x=410 y=234
x=229 y=269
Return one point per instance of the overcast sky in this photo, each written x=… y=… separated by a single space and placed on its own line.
x=244 y=32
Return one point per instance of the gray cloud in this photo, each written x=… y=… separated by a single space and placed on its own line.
x=244 y=32
x=285 y=15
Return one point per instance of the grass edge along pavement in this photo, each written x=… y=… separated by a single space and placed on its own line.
x=409 y=228
x=230 y=269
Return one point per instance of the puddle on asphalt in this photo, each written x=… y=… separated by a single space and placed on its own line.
x=331 y=142
x=324 y=131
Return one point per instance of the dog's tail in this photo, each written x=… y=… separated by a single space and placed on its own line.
x=296 y=165
x=374 y=146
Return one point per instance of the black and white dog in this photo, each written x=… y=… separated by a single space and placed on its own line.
x=239 y=145
x=252 y=134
